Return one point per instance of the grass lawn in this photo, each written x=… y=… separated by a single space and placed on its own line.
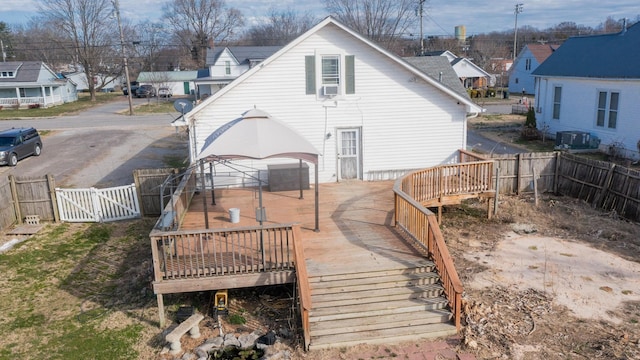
x=79 y=291
x=154 y=105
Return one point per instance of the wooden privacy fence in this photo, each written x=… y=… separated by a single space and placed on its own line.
x=603 y=184
x=98 y=205
x=27 y=196
x=149 y=183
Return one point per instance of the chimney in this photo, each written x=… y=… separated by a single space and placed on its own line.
x=210 y=44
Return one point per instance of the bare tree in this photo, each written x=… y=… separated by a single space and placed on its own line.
x=89 y=30
x=281 y=27
x=199 y=22
x=383 y=21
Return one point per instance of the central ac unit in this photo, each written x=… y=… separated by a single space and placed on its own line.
x=329 y=90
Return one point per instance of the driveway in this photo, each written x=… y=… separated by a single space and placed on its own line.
x=100 y=147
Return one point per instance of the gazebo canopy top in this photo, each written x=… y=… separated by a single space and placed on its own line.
x=257 y=135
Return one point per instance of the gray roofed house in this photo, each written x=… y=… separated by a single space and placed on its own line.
x=439 y=68
x=591 y=85
x=471 y=75
x=227 y=63
x=25 y=84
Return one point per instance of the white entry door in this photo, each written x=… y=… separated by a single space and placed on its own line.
x=349 y=157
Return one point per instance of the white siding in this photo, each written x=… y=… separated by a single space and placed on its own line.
x=406 y=123
x=218 y=69
x=519 y=71
x=579 y=105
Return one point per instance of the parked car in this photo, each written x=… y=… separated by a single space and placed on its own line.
x=133 y=86
x=146 y=91
x=165 y=92
x=18 y=143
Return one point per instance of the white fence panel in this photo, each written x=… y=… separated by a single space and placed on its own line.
x=98 y=205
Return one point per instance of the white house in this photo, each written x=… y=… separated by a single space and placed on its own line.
x=370 y=114
x=25 y=84
x=471 y=75
x=520 y=76
x=227 y=63
x=180 y=82
x=106 y=83
x=592 y=84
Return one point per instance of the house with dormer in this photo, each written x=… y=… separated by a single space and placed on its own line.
x=224 y=64
x=26 y=84
x=591 y=85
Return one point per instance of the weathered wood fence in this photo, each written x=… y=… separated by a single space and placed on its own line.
x=603 y=184
x=28 y=196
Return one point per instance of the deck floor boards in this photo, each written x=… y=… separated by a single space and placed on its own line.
x=355 y=220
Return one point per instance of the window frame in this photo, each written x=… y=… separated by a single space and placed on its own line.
x=606 y=115
x=341 y=73
x=557 y=103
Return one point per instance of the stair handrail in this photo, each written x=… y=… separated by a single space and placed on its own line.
x=421 y=225
x=304 y=289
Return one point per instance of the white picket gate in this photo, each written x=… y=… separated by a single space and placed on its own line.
x=98 y=205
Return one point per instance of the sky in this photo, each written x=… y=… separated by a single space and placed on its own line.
x=440 y=16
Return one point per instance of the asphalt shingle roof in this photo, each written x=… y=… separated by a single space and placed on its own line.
x=610 y=56
x=436 y=65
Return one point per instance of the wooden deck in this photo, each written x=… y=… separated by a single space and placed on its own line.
x=356 y=224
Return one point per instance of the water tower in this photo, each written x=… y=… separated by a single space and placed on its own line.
x=461 y=33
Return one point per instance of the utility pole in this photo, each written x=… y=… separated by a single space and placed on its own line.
x=4 y=54
x=421 y=33
x=517 y=11
x=124 y=56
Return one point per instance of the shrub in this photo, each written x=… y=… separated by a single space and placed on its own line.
x=34 y=106
x=531 y=119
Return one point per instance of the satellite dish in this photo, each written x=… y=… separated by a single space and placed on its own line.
x=183 y=106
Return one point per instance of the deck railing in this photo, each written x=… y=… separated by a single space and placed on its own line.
x=205 y=253
x=420 y=187
x=439 y=182
x=180 y=257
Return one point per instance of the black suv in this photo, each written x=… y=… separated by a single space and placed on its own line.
x=17 y=144
x=146 y=91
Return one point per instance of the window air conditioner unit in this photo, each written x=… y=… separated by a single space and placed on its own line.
x=329 y=90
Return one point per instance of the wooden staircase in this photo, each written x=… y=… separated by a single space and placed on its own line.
x=379 y=307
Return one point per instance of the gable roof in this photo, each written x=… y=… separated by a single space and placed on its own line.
x=25 y=71
x=542 y=51
x=329 y=20
x=242 y=54
x=438 y=67
x=612 y=56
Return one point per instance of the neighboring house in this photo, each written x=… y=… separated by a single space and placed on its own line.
x=471 y=75
x=227 y=63
x=25 y=84
x=499 y=68
x=370 y=114
x=180 y=82
x=592 y=84
x=106 y=82
x=520 y=77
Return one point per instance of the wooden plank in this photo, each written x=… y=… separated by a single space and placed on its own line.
x=223 y=282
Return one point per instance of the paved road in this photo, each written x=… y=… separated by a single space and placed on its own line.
x=100 y=147
x=475 y=141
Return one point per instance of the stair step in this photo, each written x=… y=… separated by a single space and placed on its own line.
x=373 y=282
x=384 y=336
x=402 y=320
x=377 y=309
x=375 y=295
x=420 y=267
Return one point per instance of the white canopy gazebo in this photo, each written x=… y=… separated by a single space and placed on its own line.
x=257 y=135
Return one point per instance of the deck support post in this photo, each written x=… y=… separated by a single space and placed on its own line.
x=317 y=229
x=204 y=194
x=161 y=309
x=300 y=179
